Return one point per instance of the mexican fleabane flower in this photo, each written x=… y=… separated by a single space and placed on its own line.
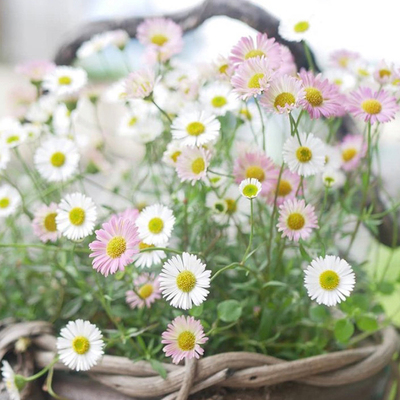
x=149 y=257
x=80 y=345
x=296 y=219
x=44 y=224
x=76 y=216
x=322 y=98
x=221 y=68
x=10 y=200
x=252 y=77
x=57 y=159
x=372 y=106
x=352 y=149
x=329 y=280
x=11 y=381
x=296 y=27
x=307 y=158
x=184 y=281
x=155 y=224
x=35 y=70
x=343 y=59
x=263 y=46
x=250 y=188
x=218 y=98
x=192 y=164
x=140 y=84
x=172 y=153
x=64 y=81
x=147 y=291
x=333 y=178
x=115 y=245
x=383 y=73
x=183 y=339
x=13 y=137
x=283 y=95
x=94 y=45
x=287 y=189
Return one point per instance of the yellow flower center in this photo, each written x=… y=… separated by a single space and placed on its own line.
x=132 y=121
x=80 y=345
x=195 y=128
x=159 y=39
x=250 y=190
x=295 y=221
x=284 y=98
x=301 y=27
x=254 y=53
x=186 y=281
x=338 y=81
x=231 y=206
x=254 y=82
x=218 y=101
x=223 y=68
x=371 y=106
x=255 y=172
x=349 y=154
x=156 y=225
x=77 y=216
x=284 y=188
x=314 y=96
x=329 y=280
x=176 y=155
x=12 y=139
x=246 y=113
x=50 y=222
x=343 y=61
x=384 y=72
x=303 y=154
x=57 y=159
x=186 y=341
x=4 y=202
x=116 y=247
x=143 y=246
x=198 y=166
x=363 y=72
x=64 y=80
x=145 y=291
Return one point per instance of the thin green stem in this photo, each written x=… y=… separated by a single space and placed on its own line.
x=308 y=56
x=41 y=246
x=251 y=231
x=264 y=145
x=42 y=372
x=49 y=387
x=162 y=111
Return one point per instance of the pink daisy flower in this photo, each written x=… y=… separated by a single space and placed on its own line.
x=383 y=73
x=352 y=149
x=296 y=220
x=183 y=339
x=140 y=84
x=147 y=291
x=258 y=166
x=116 y=244
x=44 y=224
x=288 y=185
x=288 y=66
x=35 y=70
x=192 y=164
x=263 y=47
x=322 y=98
x=130 y=213
x=372 y=106
x=342 y=58
x=252 y=77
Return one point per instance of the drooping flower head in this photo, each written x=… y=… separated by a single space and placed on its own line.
x=115 y=245
x=329 y=280
x=192 y=164
x=10 y=200
x=147 y=291
x=372 y=106
x=183 y=339
x=11 y=381
x=184 y=281
x=352 y=148
x=140 y=84
x=44 y=223
x=296 y=219
x=80 y=345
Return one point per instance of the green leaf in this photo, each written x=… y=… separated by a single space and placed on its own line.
x=159 y=368
x=344 y=330
x=319 y=314
x=229 y=310
x=196 y=311
x=72 y=307
x=386 y=287
x=367 y=323
x=304 y=254
x=274 y=283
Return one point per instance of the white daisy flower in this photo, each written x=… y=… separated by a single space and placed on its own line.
x=11 y=381
x=76 y=216
x=329 y=280
x=218 y=98
x=4 y=157
x=64 y=81
x=94 y=45
x=155 y=224
x=183 y=281
x=80 y=345
x=33 y=131
x=171 y=154
x=250 y=188
x=296 y=27
x=138 y=114
x=150 y=257
x=10 y=200
x=333 y=178
x=333 y=158
x=57 y=159
x=13 y=137
x=195 y=128
x=192 y=164
x=306 y=158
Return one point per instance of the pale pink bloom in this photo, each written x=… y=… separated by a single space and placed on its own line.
x=322 y=98
x=296 y=220
x=283 y=95
x=221 y=68
x=140 y=84
x=147 y=291
x=246 y=48
x=119 y=38
x=383 y=73
x=183 y=339
x=20 y=99
x=130 y=214
x=288 y=66
x=116 y=244
x=192 y=164
x=44 y=224
x=35 y=70
x=289 y=185
x=258 y=166
x=352 y=149
x=343 y=58
x=371 y=106
x=252 y=77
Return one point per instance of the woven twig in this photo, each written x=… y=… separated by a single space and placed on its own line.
x=235 y=369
